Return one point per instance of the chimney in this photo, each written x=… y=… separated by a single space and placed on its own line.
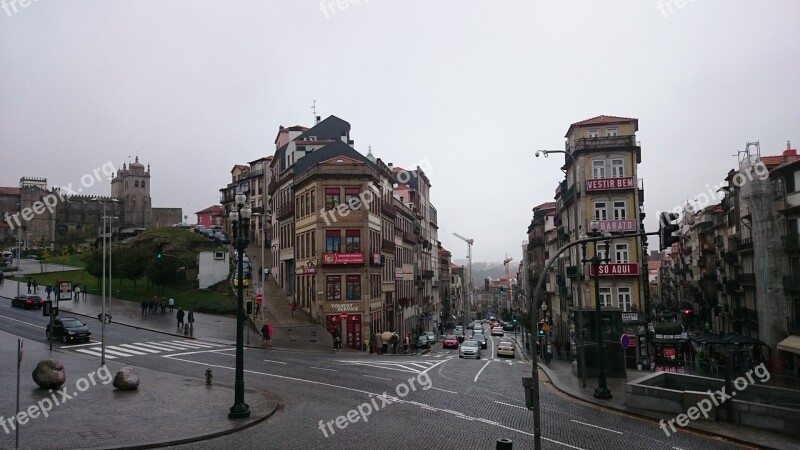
x=351 y=143
x=790 y=154
x=390 y=165
x=344 y=137
x=318 y=119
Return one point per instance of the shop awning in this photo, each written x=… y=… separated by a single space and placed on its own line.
x=790 y=344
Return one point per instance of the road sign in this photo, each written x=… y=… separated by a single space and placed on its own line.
x=259 y=298
x=545 y=327
x=625 y=341
x=343 y=315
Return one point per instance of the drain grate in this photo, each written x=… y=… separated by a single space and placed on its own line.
x=96 y=434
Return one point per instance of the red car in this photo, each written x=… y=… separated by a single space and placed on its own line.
x=450 y=341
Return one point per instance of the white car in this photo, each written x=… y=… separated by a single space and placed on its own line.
x=469 y=349
x=498 y=331
x=505 y=348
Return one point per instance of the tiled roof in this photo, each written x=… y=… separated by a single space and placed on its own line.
x=215 y=209
x=454 y=266
x=604 y=120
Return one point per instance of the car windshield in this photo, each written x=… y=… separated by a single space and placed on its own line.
x=458 y=332
x=470 y=344
x=34 y=297
x=72 y=323
x=450 y=337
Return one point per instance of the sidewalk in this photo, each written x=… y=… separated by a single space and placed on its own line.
x=99 y=416
x=559 y=374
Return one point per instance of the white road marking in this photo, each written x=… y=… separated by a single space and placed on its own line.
x=276 y=362
x=444 y=390
x=89 y=352
x=322 y=368
x=509 y=404
x=380 y=378
x=26 y=323
x=100 y=349
x=121 y=349
x=393 y=399
x=479 y=372
x=80 y=345
x=595 y=426
x=148 y=350
x=201 y=351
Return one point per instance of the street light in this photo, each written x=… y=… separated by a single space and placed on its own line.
x=103 y=307
x=602 y=391
x=240 y=222
x=19 y=247
x=579 y=277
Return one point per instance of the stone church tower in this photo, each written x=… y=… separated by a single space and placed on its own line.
x=131 y=186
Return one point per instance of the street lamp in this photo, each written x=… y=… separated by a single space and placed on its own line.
x=240 y=219
x=103 y=307
x=19 y=247
x=579 y=277
x=602 y=391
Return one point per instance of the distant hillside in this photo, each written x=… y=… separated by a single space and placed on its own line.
x=483 y=270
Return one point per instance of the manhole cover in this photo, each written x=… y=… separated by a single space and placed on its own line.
x=97 y=434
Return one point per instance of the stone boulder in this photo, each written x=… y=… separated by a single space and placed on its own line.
x=49 y=374
x=126 y=379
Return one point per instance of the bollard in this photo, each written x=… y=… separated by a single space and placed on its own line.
x=504 y=444
x=527 y=384
x=209 y=376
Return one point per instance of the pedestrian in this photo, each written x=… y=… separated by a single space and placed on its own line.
x=371 y=344
x=260 y=273
x=266 y=335
x=379 y=343
x=85 y=290
x=47 y=290
x=2 y=278
x=294 y=309
x=337 y=339
x=190 y=318
x=171 y=304
x=35 y=287
x=144 y=307
x=180 y=317
x=163 y=306
x=78 y=292
x=30 y=284
x=407 y=342
x=394 y=341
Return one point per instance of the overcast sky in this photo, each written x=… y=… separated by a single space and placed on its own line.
x=473 y=87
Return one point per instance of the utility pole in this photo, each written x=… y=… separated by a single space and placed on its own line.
x=468 y=302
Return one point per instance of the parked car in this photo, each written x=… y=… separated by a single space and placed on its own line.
x=68 y=330
x=505 y=348
x=220 y=237
x=423 y=341
x=245 y=280
x=469 y=349
x=27 y=301
x=431 y=336
x=450 y=341
x=508 y=326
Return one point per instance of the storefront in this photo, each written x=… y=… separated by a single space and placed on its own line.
x=671 y=349
x=347 y=318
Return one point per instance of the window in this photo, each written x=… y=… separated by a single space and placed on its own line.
x=598 y=168
x=352 y=241
x=621 y=253
x=617 y=168
x=351 y=198
x=605 y=297
x=333 y=241
x=334 y=287
x=142 y=184
x=332 y=198
x=620 y=211
x=136 y=183
x=353 y=287
x=624 y=298
x=600 y=212
x=790 y=182
x=593 y=134
x=610 y=132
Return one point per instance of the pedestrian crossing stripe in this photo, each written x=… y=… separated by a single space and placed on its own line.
x=402 y=366
x=145 y=348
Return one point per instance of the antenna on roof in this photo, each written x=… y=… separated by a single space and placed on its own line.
x=314 y=111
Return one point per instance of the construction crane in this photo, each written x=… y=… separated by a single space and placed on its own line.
x=468 y=302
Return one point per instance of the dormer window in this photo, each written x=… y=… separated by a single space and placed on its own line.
x=593 y=133
x=611 y=132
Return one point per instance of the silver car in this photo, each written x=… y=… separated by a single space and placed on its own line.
x=431 y=336
x=469 y=349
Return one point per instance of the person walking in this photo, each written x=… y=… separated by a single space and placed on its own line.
x=379 y=343
x=294 y=309
x=190 y=318
x=144 y=307
x=77 y=292
x=35 y=287
x=266 y=334
x=337 y=339
x=2 y=278
x=171 y=304
x=85 y=290
x=163 y=306
x=47 y=290
x=371 y=344
x=180 y=317
x=394 y=341
x=30 y=283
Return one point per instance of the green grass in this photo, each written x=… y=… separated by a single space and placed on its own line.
x=218 y=299
x=69 y=260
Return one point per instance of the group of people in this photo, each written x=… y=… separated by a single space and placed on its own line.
x=381 y=343
x=151 y=306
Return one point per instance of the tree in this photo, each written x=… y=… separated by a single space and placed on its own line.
x=94 y=263
x=130 y=262
x=162 y=272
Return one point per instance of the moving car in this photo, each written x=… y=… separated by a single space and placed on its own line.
x=459 y=334
x=469 y=349
x=423 y=342
x=498 y=331
x=505 y=348
x=508 y=326
x=245 y=280
x=431 y=336
x=481 y=338
x=450 y=341
x=27 y=301
x=68 y=330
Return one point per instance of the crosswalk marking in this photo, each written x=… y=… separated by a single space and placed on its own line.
x=147 y=348
x=401 y=366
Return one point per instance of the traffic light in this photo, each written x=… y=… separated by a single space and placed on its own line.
x=502 y=290
x=665 y=230
x=539 y=326
x=159 y=251
x=249 y=308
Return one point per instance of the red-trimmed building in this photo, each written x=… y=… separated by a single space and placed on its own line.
x=210 y=216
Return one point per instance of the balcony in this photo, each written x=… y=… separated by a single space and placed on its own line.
x=745 y=245
x=536 y=241
x=388 y=246
x=732 y=287
x=285 y=211
x=746 y=279
x=730 y=258
x=719 y=241
x=272 y=186
x=572 y=271
x=745 y=315
x=410 y=238
x=791 y=243
x=427 y=274
x=568 y=195
x=388 y=209
x=791 y=284
x=609 y=142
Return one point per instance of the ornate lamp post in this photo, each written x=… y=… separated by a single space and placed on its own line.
x=602 y=391
x=240 y=222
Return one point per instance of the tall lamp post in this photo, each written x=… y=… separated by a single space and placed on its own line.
x=240 y=219
x=602 y=391
x=579 y=277
x=103 y=302
x=19 y=248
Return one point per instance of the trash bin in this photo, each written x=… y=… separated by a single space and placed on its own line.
x=527 y=384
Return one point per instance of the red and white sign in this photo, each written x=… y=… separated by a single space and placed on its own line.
x=306 y=270
x=614 y=270
x=343 y=316
x=342 y=258
x=615 y=226
x=609 y=184
x=259 y=298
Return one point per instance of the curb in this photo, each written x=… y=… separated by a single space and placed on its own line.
x=644 y=416
x=198 y=438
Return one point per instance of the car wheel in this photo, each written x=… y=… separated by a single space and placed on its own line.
x=477 y=357
x=460 y=356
